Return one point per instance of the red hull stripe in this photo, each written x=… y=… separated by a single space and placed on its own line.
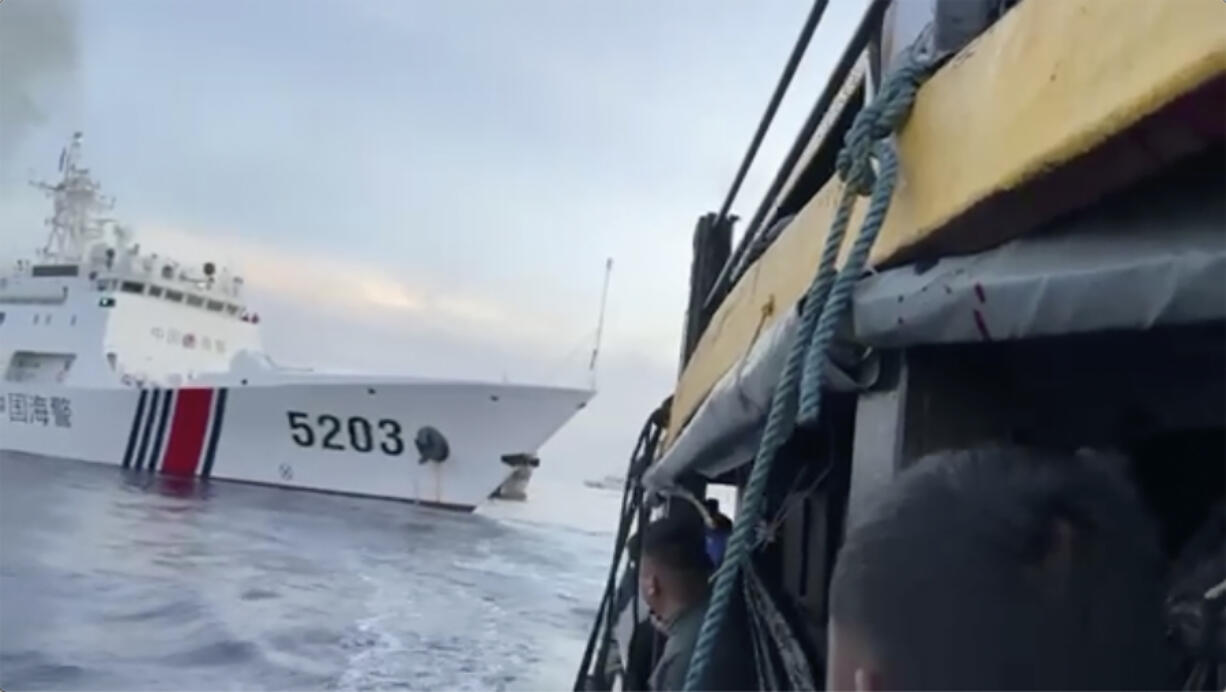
x=191 y=420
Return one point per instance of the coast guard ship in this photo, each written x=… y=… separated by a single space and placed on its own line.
x=115 y=355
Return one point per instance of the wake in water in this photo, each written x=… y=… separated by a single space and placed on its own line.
x=113 y=582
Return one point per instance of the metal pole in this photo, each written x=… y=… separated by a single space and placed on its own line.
x=604 y=298
x=785 y=79
x=848 y=60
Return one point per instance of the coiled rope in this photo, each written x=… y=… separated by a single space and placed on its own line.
x=797 y=397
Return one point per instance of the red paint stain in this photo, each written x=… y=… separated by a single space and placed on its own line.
x=983 y=326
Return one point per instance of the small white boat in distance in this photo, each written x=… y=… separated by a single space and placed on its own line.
x=609 y=482
x=113 y=355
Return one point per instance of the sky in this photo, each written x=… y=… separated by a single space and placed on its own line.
x=425 y=188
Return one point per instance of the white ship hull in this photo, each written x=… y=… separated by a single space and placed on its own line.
x=340 y=436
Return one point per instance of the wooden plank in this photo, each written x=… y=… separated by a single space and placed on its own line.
x=1047 y=84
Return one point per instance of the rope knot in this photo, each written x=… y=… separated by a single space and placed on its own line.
x=854 y=161
x=876 y=122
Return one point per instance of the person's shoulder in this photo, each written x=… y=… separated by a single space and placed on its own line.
x=685 y=631
x=669 y=673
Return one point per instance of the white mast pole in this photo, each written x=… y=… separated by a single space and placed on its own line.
x=604 y=299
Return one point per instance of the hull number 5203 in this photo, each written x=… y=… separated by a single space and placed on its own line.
x=356 y=433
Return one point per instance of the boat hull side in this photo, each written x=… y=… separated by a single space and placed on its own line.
x=350 y=439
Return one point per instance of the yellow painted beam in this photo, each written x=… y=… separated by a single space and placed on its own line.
x=1049 y=82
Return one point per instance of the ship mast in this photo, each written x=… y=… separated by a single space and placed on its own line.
x=76 y=202
x=604 y=298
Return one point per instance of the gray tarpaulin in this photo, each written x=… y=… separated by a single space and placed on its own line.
x=724 y=432
x=1155 y=257
x=1155 y=260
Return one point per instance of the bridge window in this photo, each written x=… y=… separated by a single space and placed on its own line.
x=132 y=287
x=174 y=296
x=214 y=306
x=194 y=300
x=43 y=367
x=231 y=309
x=54 y=270
x=155 y=291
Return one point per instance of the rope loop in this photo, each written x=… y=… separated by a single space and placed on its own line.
x=798 y=392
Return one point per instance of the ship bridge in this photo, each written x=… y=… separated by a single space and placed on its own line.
x=93 y=309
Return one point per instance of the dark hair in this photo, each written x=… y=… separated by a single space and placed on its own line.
x=1005 y=568
x=712 y=505
x=677 y=544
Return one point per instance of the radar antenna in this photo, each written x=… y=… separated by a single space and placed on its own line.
x=76 y=203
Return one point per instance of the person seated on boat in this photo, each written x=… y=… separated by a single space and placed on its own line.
x=646 y=640
x=674 y=573
x=718 y=531
x=999 y=568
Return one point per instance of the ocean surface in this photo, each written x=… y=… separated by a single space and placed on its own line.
x=136 y=582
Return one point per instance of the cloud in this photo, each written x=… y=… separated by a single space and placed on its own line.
x=341 y=287
x=390 y=295
x=39 y=57
x=373 y=315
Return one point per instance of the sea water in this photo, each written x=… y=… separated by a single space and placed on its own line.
x=113 y=580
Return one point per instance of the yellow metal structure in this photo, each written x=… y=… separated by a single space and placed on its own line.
x=1049 y=82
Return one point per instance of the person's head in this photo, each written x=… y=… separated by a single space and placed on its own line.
x=712 y=506
x=674 y=566
x=999 y=568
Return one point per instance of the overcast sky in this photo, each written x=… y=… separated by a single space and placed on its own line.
x=416 y=187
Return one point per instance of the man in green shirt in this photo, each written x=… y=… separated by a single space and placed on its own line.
x=674 y=580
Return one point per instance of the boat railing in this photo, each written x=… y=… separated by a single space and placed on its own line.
x=860 y=42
